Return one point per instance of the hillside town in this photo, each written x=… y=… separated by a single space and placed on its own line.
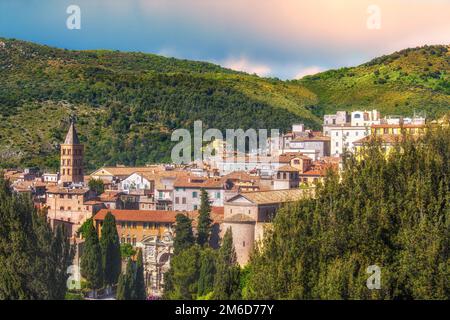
x=244 y=194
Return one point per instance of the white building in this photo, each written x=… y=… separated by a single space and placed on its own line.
x=187 y=191
x=343 y=134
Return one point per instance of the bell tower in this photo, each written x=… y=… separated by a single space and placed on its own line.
x=72 y=157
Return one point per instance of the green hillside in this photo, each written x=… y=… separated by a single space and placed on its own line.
x=127 y=104
x=411 y=79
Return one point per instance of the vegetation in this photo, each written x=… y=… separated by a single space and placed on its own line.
x=227 y=279
x=127 y=251
x=204 y=219
x=97 y=186
x=127 y=104
x=184 y=235
x=131 y=283
x=92 y=260
x=111 y=255
x=416 y=79
x=390 y=211
x=33 y=259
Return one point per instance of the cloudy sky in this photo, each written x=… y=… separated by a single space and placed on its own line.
x=275 y=38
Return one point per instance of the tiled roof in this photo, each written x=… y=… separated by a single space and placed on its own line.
x=274 y=196
x=199 y=182
x=59 y=190
x=110 y=196
x=139 y=215
x=157 y=215
x=288 y=168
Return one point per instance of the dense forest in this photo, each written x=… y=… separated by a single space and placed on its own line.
x=127 y=104
x=392 y=212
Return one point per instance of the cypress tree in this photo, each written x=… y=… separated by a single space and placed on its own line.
x=207 y=271
x=111 y=256
x=184 y=238
x=91 y=259
x=185 y=270
x=125 y=289
x=140 y=291
x=204 y=219
x=389 y=210
x=33 y=258
x=227 y=280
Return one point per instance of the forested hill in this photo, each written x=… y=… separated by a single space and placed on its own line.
x=399 y=83
x=127 y=104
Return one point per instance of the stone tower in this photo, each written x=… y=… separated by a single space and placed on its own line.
x=72 y=157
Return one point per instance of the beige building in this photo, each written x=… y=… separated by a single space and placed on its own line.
x=248 y=214
x=70 y=206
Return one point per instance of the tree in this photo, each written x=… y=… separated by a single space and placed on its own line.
x=184 y=237
x=227 y=280
x=390 y=210
x=204 y=219
x=127 y=251
x=141 y=292
x=184 y=274
x=207 y=271
x=111 y=255
x=91 y=259
x=97 y=186
x=125 y=290
x=33 y=259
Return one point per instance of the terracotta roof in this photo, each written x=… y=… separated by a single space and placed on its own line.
x=110 y=196
x=273 y=196
x=199 y=182
x=288 y=168
x=157 y=215
x=139 y=215
x=125 y=171
x=59 y=190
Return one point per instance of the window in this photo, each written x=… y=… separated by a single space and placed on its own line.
x=134 y=225
x=129 y=224
x=217 y=195
x=61 y=208
x=69 y=196
x=183 y=200
x=337 y=144
x=145 y=225
x=69 y=208
x=134 y=241
x=68 y=172
x=194 y=194
x=195 y=207
x=122 y=240
x=64 y=172
x=337 y=133
x=243 y=243
x=177 y=200
x=123 y=224
x=61 y=196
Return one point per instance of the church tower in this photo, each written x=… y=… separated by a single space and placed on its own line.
x=72 y=157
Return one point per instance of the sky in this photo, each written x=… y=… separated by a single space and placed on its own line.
x=287 y=39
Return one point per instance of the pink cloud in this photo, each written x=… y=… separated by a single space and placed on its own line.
x=308 y=71
x=244 y=64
